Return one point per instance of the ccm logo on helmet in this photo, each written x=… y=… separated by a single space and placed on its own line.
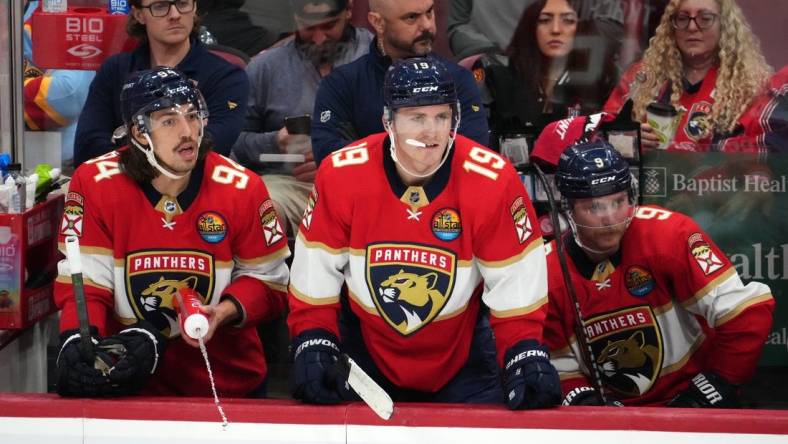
x=602 y=180
x=425 y=89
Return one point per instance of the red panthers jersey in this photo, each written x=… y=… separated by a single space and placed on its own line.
x=668 y=305
x=693 y=131
x=417 y=260
x=220 y=236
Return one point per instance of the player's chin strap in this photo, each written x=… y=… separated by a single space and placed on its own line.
x=151 y=157
x=393 y=147
x=580 y=243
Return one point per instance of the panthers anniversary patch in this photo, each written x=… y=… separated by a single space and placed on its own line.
x=409 y=283
x=153 y=277
x=627 y=345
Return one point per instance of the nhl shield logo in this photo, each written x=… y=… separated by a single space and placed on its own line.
x=627 y=345
x=153 y=278
x=409 y=283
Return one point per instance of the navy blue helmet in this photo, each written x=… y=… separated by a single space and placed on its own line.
x=155 y=89
x=592 y=169
x=418 y=81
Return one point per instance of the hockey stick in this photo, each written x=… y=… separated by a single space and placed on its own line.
x=367 y=389
x=587 y=354
x=75 y=266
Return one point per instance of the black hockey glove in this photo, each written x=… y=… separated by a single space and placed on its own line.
x=139 y=350
x=530 y=380
x=707 y=390
x=82 y=372
x=316 y=378
x=589 y=396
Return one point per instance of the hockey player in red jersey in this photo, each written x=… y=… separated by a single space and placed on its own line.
x=666 y=320
x=164 y=214
x=423 y=227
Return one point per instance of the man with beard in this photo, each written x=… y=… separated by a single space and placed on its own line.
x=167 y=32
x=350 y=100
x=158 y=216
x=284 y=81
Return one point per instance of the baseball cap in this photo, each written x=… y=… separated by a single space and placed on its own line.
x=561 y=134
x=312 y=12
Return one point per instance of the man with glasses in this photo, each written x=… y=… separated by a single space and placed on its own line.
x=284 y=81
x=650 y=311
x=167 y=32
x=685 y=67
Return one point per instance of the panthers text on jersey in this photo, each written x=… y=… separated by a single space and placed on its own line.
x=220 y=236
x=666 y=306
x=418 y=261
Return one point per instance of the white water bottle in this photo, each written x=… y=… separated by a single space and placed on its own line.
x=193 y=322
x=55 y=5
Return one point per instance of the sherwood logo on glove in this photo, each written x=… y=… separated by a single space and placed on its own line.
x=312 y=342
x=526 y=354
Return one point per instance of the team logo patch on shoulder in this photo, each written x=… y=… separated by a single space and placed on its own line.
x=627 y=344
x=703 y=254
x=446 y=224
x=409 y=283
x=639 y=281
x=153 y=277
x=522 y=223
x=325 y=116
x=73 y=215
x=271 y=228
x=306 y=221
x=212 y=227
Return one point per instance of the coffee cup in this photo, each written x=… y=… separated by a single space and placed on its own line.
x=663 y=118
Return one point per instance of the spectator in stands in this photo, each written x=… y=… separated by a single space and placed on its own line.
x=763 y=127
x=349 y=101
x=650 y=311
x=158 y=216
x=486 y=26
x=53 y=97
x=705 y=62
x=167 y=33
x=233 y=27
x=284 y=81
x=557 y=66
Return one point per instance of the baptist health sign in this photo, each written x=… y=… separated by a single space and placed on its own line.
x=741 y=201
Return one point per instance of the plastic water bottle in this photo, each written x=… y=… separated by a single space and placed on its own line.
x=55 y=5
x=193 y=322
x=20 y=193
x=118 y=7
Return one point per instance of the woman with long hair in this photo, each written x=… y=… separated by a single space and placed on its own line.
x=704 y=61
x=558 y=65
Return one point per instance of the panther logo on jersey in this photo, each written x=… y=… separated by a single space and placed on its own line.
x=410 y=284
x=153 y=278
x=698 y=123
x=628 y=347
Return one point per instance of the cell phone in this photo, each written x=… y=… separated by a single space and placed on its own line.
x=298 y=124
